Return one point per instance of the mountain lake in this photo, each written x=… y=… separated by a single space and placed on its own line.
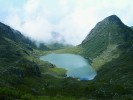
x=76 y=65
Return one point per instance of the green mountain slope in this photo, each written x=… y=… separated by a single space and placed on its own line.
x=56 y=46
x=103 y=42
x=15 y=51
x=14 y=35
x=110 y=47
x=23 y=76
x=132 y=27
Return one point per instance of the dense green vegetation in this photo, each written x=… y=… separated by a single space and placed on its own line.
x=56 y=46
x=109 y=45
x=110 y=31
x=132 y=27
x=109 y=48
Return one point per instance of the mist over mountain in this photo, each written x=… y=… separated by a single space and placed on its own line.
x=73 y=19
x=14 y=51
x=7 y=32
x=108 y=48
x=66 y=49
x=57 y=38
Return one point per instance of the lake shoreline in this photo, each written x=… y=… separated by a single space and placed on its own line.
x=76 y=65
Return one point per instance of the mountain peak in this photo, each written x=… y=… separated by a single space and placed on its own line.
x=110 y=31
x=112 y=19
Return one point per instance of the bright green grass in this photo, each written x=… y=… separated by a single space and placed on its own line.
x=72 y=50
x=57 y=71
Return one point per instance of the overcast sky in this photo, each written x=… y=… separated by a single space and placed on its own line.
x=72 y=19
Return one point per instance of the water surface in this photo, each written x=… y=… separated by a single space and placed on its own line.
x=76 y=65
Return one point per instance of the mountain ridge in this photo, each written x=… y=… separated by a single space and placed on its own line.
x=109 y=47
x=106 y=33
x=15 y=51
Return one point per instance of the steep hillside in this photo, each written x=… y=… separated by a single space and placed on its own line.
x=56 y=46
x=132 y=27
x=24 y=77
x=103 y=42
x=14 y=35
x=15 y=53
x=42 y=46
x=110 y=47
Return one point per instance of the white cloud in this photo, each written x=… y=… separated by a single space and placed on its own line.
x=31 y=6
x=73 y=19
x=34 y=23
x=39 y=29
x=74 y=27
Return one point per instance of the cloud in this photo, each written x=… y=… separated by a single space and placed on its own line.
x=39 y=29
x=31 y=6
x=32 y=23
x=72 y=19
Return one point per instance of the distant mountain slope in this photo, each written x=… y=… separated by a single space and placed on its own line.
x=56 y=45
x=13 y=45
x=15 y=51
x=132 y=27
x=110 y=31
x=110 y=47
x=14 y=35
x=103 y=42
x=42 y=46
x=21 y=72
